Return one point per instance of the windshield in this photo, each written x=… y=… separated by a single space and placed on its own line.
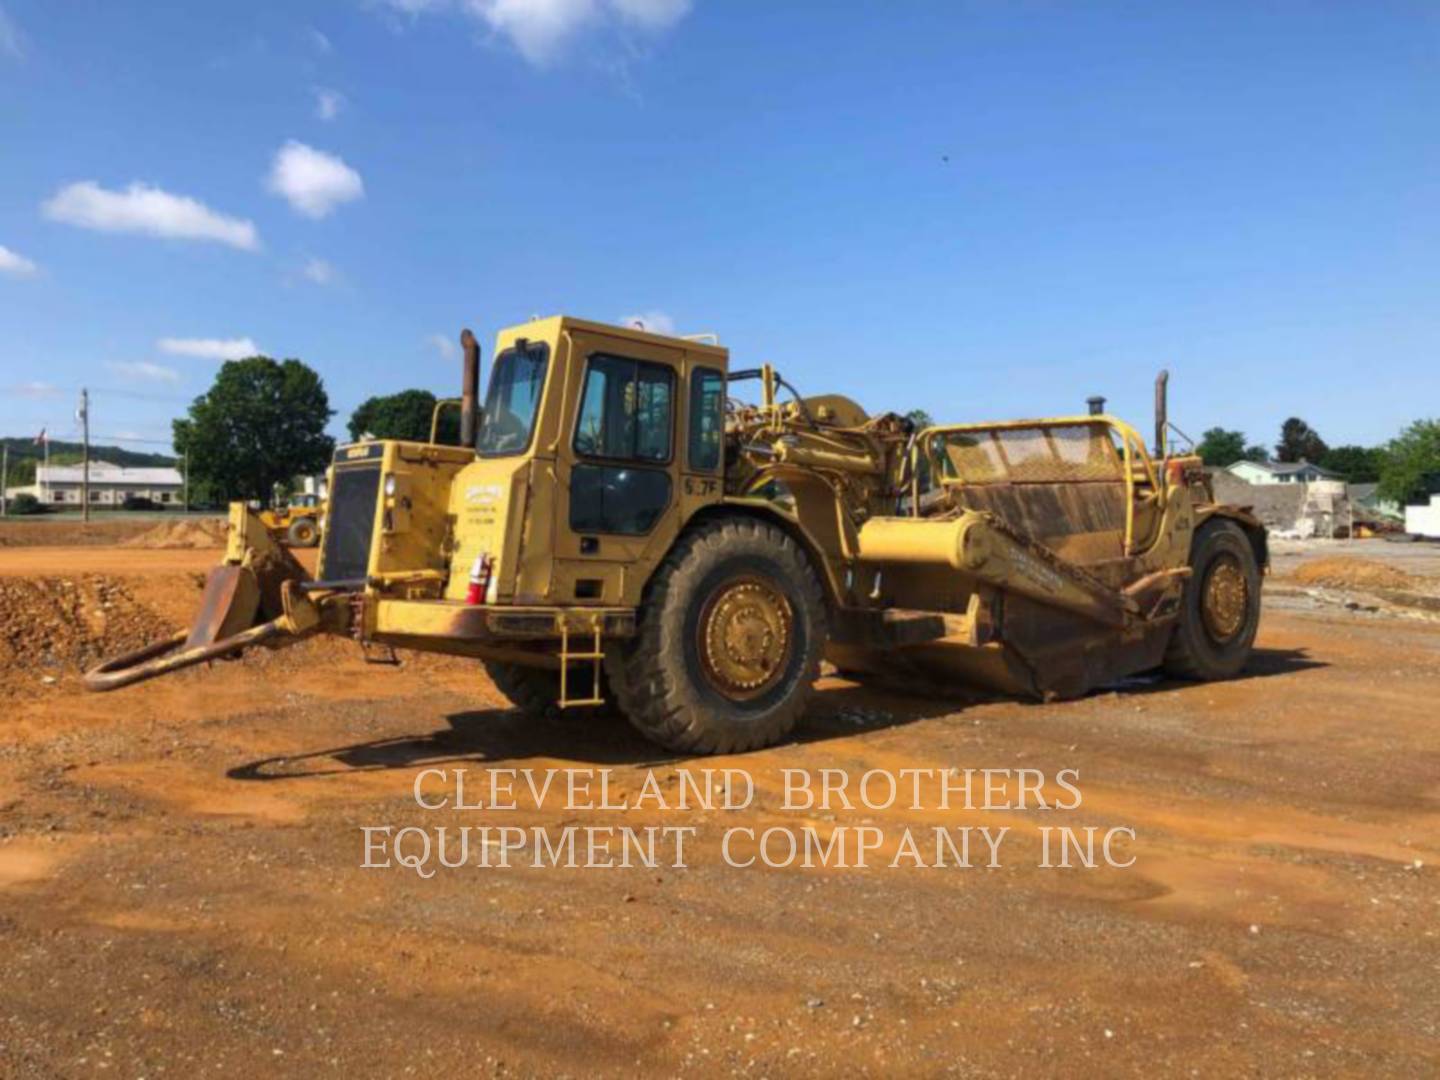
x=513 y=401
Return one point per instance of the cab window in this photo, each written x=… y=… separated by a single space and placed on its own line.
x=707 y=419
x=513 y=401
x=625 y=410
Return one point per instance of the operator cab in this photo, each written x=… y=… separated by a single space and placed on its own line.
x=593 y=445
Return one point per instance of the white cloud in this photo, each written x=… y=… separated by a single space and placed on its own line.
x=12 y=42
x=143 y=371
x=540 y=29
x=318 y=271
x=445 y=346
x=15 y=264
x=312 y=181
x=209 y=348
x=148 y=210
x=34 y=389
x=321 y=41
x=656 y=322
x=328 y=103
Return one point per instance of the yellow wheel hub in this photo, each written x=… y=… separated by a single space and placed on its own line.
x=745 y=635
x=1226 y=599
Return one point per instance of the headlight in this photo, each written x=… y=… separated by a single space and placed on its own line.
x=389 y=485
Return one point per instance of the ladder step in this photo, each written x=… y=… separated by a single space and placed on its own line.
x=567 y=657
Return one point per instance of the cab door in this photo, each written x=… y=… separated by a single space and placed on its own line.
x=626 y=484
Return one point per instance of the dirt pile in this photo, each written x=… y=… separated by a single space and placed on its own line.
x=197 y=533
x=44 y=531
x=50 y=626
x=1347 y=572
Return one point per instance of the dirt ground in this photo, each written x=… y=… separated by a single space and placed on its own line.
x=181 y=888
x=104 y=529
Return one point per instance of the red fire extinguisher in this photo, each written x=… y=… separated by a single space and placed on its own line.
x=479 y=579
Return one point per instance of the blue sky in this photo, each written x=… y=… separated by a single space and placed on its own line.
x=987 y=209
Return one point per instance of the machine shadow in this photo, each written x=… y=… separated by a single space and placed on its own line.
x=501 y=736
x=1262 y=664
x=840 y=710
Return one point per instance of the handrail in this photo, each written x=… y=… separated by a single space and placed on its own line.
x=435 y=415
x=565 y=379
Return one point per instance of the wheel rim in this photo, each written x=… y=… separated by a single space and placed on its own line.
x=1225 y=600
x=746 y=634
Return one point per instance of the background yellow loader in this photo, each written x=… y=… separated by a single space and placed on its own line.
x=296 y=522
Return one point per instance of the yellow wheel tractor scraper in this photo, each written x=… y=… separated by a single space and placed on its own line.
x=615 y=527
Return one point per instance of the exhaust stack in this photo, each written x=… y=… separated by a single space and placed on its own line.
x=1162 y=415
x=469 y=387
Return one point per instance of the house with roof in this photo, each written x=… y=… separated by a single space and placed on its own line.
x=1294 y=500
x=110 y=485
x=1282 y=472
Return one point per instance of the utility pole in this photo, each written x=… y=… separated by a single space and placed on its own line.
x=85 y=454
x=4 y=479
x=186 y=477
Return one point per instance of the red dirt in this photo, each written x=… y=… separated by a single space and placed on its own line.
x=46 y=531
x=190 y=533
x=181 y=888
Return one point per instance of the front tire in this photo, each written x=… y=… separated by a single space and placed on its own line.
x=1220 y=610
x=729 y=643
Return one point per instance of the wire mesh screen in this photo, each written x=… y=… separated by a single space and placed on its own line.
x=1042 y=454
x=971 y=457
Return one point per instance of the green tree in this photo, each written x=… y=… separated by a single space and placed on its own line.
x=22 y=473
x=1219 y=447
x=405 y=415
x=1257 y=453
x=1298 y=440
x=261 y=423
x=1411 y=462
x=1357 y=464
x=920 y=418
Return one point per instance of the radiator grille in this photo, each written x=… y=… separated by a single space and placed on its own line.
x=353 y=497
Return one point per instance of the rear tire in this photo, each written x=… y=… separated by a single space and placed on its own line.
x=303 y=532
x=728 y=649
x=1220 y=609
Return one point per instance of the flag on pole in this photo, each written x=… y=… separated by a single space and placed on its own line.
x=40 y=439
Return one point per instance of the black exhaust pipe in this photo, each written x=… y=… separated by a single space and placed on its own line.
x=469 y=387
x=1162 y=413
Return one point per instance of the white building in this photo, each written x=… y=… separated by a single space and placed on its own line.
x=1281 y=472
x=110 y=485
x=1424 y=520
